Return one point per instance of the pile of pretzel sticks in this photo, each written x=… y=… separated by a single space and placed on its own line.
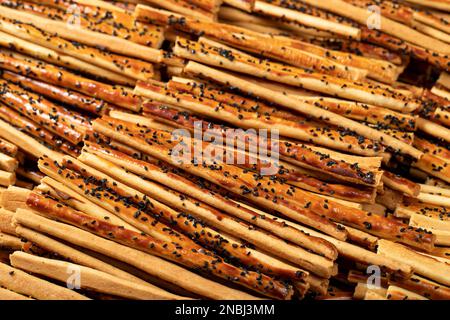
x=335 y=115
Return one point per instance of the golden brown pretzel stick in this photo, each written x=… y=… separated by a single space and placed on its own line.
x=23 y=283
x=8 y=148
x=427 y=288
x=96 y=19
x=422 y=265
x=51 y=56
x=6 y=294
x=73 y=32
x=32 y=128
x=199 y=210
x=307 y=20
x=437 y=4
x=210 y=216
x=73 y=254
x=247 y=187
x=48 y=115
x=357 y=253
x=300 y=154
x=398 y=293
x=432 y=20
x=177 y=182
x=389 y=9
x=143 y=261
x=6 y=225
x=302 y=130
x=183 y=6
x=433 y=129
x=73 y=199
x=255 y=42
x=353 y=110
x=401 y=184
x=8 y=163
x=10 y=242
x=91 y=279
x=235 y=185
x=387 y=25
x=244 y=63
x=435 y=166
x=47 y=206
x=129 y=67
x=432 y=148
x=207 y=236
x=59 y=94
x=327 y=116
x=120 y=96
x=246 y=5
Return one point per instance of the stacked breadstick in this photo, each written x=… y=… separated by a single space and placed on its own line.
x=119 y=119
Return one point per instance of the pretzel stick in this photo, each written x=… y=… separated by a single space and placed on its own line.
x=242 y=118
x=42 y=112
x=208 y=215
x=433 y=129
x=10 y=242
x=401 y=184
x=23 y=283
x=226 y=224
x=59 y=94
x=434 y=190
x=179 y=183
x=246 y=5
x=431 y=20
x=7 y=178
x=74 y=255
x=32 y=128
x=183 y=6
x=298 y=198
x=8 y=148
x=423 y=287
x=434 y=199
x=387 y=25
x=136 y=119
x=56 y=58
x=91 y=279
x=302 y=155
x=307 y=20
x=254 y=42
x=435 y=166
x=429 y=223
x=437 y=4
x=247 y=64
x=8 y=163
x=422 y=265
x=129 y=67
x=431 y=148
x=66 y=195
x=389 y=9
x=397 y=293
x=431 y=31
x=6 y=221
x=327 y=116
x=75 y=33
x=7 y=295
x=357 y=253
x=363 y=112
x=114 y=94
x=287 y=208
x=143 y=261
x=166 y=249
x=361 y=289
